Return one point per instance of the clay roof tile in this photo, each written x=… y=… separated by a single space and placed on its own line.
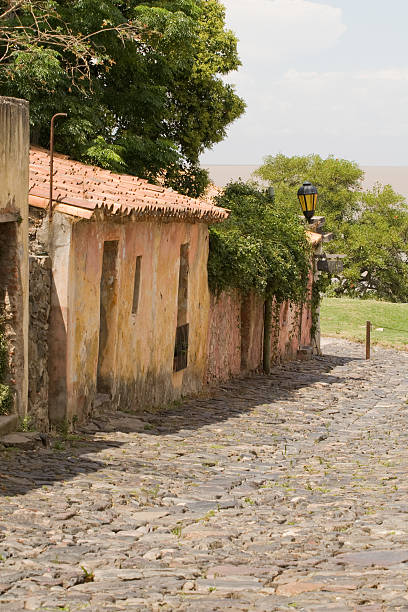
x=87 y=188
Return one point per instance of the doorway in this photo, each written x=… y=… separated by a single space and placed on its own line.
x=108 y=317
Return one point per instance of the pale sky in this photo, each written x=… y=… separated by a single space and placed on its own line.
x=319 y=76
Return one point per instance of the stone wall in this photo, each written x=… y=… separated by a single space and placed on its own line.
x=40 y=287
x=14 y=163
x=235 y=340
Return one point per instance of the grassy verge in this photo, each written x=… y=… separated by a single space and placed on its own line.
x=346 y=318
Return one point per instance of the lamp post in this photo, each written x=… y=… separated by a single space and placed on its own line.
x=307 y=195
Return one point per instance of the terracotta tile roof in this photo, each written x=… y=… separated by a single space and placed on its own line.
x=79 y=190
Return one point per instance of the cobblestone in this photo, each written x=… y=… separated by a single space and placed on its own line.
x=276 y=493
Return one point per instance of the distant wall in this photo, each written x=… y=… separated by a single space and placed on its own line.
x=224 y=338
x=40 y=294
x=235 y=338
x=14 y=164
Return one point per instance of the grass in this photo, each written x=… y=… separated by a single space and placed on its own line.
x=346 y=318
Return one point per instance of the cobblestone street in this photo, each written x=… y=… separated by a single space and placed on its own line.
x=277 y=493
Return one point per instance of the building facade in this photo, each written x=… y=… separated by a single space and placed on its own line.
x=129 y=298
x=14 y=274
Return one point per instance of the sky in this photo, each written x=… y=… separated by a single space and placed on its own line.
x=319 y=76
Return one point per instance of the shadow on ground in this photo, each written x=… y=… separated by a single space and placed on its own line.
x=22 y=471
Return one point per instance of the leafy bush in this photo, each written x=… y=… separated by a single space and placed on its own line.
x=261 y=247
x=6 y=395
x=6 y=399
x=376 y=245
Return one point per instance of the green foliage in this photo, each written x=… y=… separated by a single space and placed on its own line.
x=6 y=399
x=376 y=245
x=346 y=318
x=88 y=576
x=6 y=395
x=261 y=247
x=26 y=423
x=338 y=182
x=371 y=227
x=141 y=81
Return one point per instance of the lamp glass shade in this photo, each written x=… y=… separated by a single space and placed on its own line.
x=307 y=195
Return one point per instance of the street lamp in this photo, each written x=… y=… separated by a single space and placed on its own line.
x=307 y=195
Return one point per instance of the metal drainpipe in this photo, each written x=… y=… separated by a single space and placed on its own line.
x=50 y=207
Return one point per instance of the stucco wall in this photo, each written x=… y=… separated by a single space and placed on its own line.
x=139 y=349
x=14 y=163
x=306 y=328
x=40 y=284
x=224 y=338
x=252 y=329
x=235 y=341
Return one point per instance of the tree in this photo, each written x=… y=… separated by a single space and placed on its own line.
x=141 y=81
x=376 y=245
x=262 y=247
x=338 y=182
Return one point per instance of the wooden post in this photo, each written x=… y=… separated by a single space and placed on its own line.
x=368 y=340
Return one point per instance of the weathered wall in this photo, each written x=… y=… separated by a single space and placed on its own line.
x=138 y=347
x=288 y=341
x=103 y=340
x=252 y=313
x=40 y=287
x=235 y=340
x=40 y=284
x=224 y=338
x=14 y=275
x=306 y=327
x=62 y=311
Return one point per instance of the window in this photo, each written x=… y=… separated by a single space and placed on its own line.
x=136 y=285
x=182 y=330
x=181 y=348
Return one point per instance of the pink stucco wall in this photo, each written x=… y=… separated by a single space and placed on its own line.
x=235 y=341
x=252 y=312
x=224 y=338
x=137 y=358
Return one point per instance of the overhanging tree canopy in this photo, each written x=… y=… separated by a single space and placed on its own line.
x=376 y=245
x=141 y=81
x=338 y=182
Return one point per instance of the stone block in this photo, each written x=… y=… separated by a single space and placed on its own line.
x=19 y=440
x=8 y=424
x=305 y=353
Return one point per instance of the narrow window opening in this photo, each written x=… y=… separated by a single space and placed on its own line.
x=136 y=285
x=108 y=305
x=181 y=348
x=182 y=331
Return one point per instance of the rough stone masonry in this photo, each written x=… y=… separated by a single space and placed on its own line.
x=275 y=493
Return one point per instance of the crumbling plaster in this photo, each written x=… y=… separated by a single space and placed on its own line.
x=140 y=349
x=14 y=163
